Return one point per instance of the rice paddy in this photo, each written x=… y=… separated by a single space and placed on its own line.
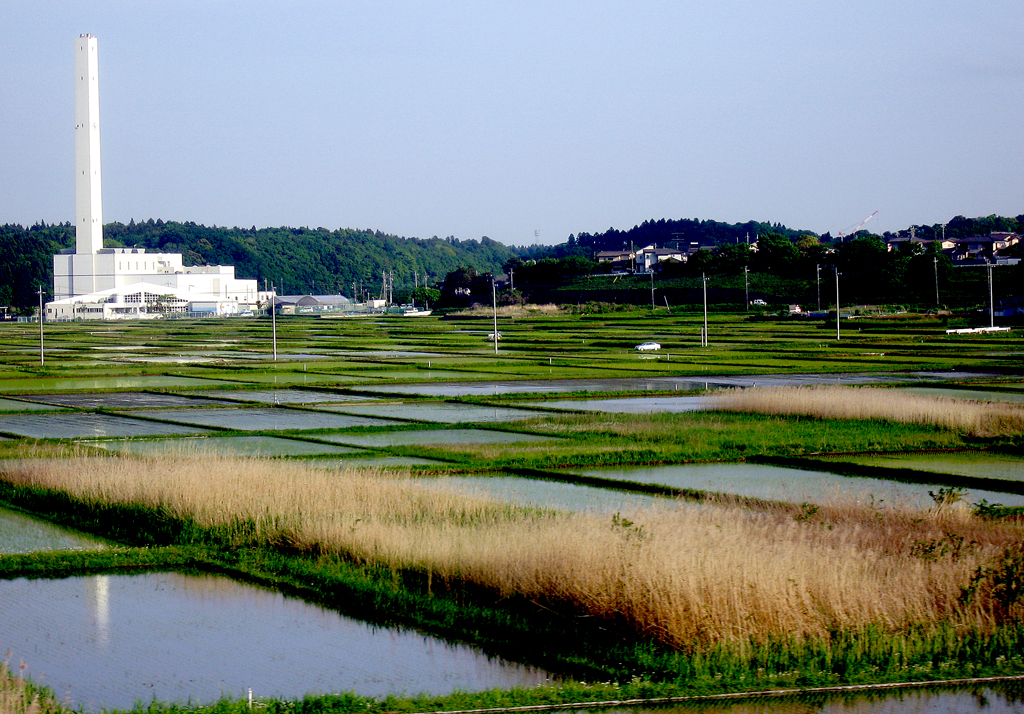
x=317 y=473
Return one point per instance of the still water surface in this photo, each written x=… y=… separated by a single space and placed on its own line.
x=547 y=494
x=113 y=639
x=978 y=465
x=440 y=412
x=227 y=445
x=24 y=534
x=428 y=437
x=695 y=382
x=785 y=484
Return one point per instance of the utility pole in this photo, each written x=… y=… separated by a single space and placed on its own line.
x=817 y=282
x=704 y=279
x=837 y=304
x=273 y=317
x=494 y=300
x=512 y=279
x=991 y=300
x=746 y=287
x=652 y=289
x=935 y=261
x=41 y=318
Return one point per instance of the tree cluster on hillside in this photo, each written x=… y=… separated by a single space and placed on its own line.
x=682 y=232
x=26 y=261
x=296 y=260
x=805 y=263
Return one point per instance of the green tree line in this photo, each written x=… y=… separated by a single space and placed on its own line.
x=296 y=260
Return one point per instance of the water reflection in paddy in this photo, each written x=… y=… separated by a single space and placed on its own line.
x=440 y=411
x=257 y=419
x=428 y=437
x=785 y=484
x=286 y=396
x=78 y=425
x=141 y=382
x=977 y=465
x=632 y=405
x=23 y=534
x=13 y=405
x=227 y=445
x=376 y=462
x=547 y=494
x=642 y=384
x=123 y=400
x=110 y=640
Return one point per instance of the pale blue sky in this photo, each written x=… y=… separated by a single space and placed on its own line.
x=502 y=118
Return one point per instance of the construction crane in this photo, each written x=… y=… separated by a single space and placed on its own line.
x=853 y=229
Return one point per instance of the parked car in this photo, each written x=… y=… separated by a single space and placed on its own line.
x=647 y=347
x=759 y=302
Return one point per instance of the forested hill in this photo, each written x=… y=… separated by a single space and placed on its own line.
x=297 y=260
x=684 y=231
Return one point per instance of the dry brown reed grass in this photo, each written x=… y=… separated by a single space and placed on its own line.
x=16 y=697
x=838 y=402
x=688 y=576
x=512 y=310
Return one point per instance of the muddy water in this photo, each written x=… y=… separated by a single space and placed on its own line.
x=111 y=640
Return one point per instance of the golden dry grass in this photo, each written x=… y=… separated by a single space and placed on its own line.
x=686 y=575
x=16 y=697
x=837 y=402
x=512 y=310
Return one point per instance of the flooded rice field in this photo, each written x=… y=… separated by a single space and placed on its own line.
x=23 y=534
x=223 y=445
x=440 y=412
x=122 y=400
x=286 y=396
x=547 y=494
x=434 y=437
x=355 y=461
x=777 y=483
x=258 y=419
x=53 y=384
x=66 y=425
x=973 y=464
x=112 y=640
x=15 y=405
x=631 y=405
x=668 y=384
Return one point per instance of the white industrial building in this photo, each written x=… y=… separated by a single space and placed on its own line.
x=139 y=301
x=91 y=277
